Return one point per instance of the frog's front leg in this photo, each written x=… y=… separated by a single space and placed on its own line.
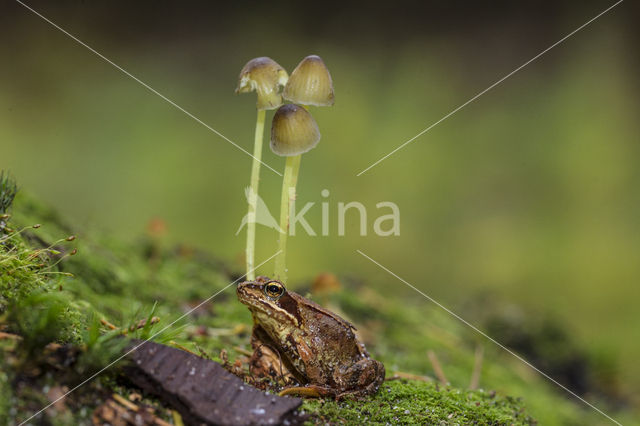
x=362 y=378
x=266 y=361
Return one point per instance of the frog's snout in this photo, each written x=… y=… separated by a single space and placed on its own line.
x=240 y=290
x=243 y=290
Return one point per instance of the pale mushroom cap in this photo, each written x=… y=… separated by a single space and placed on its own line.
x=293 y=131
x=310 y=83
x=264 y=76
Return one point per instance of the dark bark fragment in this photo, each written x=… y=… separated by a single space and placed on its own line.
x=203 y=392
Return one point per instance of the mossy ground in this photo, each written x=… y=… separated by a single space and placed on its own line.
x=125 y=282
x=416 y=402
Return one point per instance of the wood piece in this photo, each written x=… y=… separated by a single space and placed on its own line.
x=202 y=391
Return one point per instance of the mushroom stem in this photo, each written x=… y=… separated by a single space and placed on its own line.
x=253 y=196
x=289 y=181
x=295 y=168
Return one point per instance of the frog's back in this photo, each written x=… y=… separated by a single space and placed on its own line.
x=334 y=334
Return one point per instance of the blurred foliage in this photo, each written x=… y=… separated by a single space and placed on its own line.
x=8 y=191
x=44 y=317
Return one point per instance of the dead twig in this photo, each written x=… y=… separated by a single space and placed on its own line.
x=477 y=367
x=437 y=368
x=140 y=324
x=9 y=336
x=399 y=375
x=123 y=401
x=119 y=411
x=108 y=324
x=183 y=348
x=242 y=351
x=236 y=330
x=177 y=418
x=56 y=395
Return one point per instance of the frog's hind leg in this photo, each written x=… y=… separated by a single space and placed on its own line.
x=362 y=378
x=369 y=389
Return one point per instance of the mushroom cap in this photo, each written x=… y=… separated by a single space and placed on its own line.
x=267 y=78
x=310 y=83
x=293 y=131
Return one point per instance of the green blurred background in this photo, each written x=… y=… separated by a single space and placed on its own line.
x=530 y=193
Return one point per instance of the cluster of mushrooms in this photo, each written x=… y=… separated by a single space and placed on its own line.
x=293 y=132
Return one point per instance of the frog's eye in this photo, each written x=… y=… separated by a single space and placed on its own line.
x=274 y=290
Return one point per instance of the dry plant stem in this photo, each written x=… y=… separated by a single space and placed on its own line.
x=242 y=351
x=253 y=196
x=130 y=405
x=289 y=181
x=182 y=348
x=477 y=367
x=177 y=418
x=399 y=375
x=9 y=336
x=108 y=324
x=437 y=368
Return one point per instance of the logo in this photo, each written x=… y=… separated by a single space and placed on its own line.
x=263 y=215
x=385 y=225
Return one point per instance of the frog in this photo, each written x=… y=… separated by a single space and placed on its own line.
x=315 y=352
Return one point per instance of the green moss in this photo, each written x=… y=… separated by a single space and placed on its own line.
x=415 y=402
x=22 y=270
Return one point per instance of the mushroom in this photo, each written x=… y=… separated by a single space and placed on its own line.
x=267 y=78
x=296 y=132
x=293 y=132
x=310 y=83
x=264 y=76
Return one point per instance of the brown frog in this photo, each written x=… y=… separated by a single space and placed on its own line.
x=308 y=346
